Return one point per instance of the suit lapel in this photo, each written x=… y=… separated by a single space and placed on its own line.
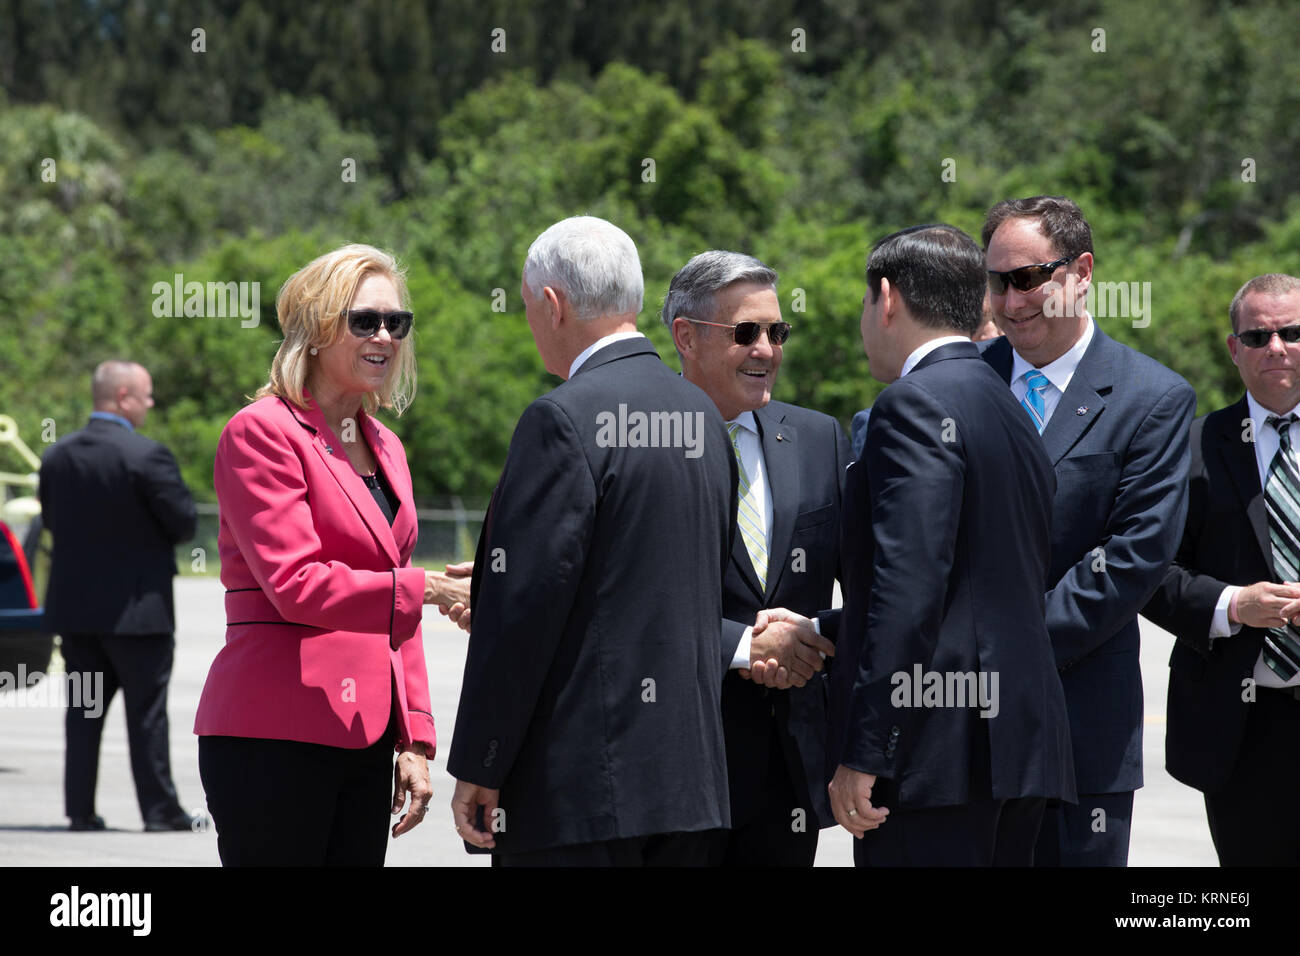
x=1239 y=460
x=998 y=355
x=780 y=458
x=330 y=450
x=1083 y=401
x=405 y=525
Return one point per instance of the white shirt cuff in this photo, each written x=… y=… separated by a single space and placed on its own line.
x=742 y=650
x=1220 y=626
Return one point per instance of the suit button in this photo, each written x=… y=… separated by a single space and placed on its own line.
x=894 y=732
x=487 y=761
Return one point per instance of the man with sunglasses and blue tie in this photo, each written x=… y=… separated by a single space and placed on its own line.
x=1231 y=595
x=725 y=317
x=1115 y=426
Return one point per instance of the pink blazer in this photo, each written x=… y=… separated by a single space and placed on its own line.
x=323 y=607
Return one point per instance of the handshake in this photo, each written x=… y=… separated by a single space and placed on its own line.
x=785 y=650
x=450 y=591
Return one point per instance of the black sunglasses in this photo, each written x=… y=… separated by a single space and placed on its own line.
x=746 y=333
x=1026 y=277
x=1258 y=338
x=364 y=323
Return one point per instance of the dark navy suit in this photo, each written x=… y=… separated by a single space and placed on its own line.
x=1222 y=738
x=116 y=506
x=591 y=695
x=1118 y=443
x=946 y=543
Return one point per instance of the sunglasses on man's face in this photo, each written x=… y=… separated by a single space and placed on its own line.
x=364 y=323
x=1026 y=278
x=746 y=333
x=1258 y=338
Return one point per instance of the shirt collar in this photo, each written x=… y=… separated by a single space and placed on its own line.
x=1259 y=414
x=925 y=349
x=112 y=417
x=596 y=346
x=1060 y=371
x=746 y=421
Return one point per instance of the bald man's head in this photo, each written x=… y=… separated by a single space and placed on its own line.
x=122 y=388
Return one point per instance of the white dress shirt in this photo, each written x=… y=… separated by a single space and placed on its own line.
x=1059 y=373
x=1266 y=445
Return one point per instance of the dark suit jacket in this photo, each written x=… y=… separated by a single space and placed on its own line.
x=592 y=683
x=1225 y=541
x=1118 y=442
x=946 y=546
x=115 y=504
x=805 y=469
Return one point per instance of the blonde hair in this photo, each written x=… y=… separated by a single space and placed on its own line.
x=310 y=308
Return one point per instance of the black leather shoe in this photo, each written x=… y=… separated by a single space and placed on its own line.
x=181 y=821
x=87 y=823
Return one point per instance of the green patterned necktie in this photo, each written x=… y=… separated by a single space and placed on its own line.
x=1282 y=499
x=749 y=514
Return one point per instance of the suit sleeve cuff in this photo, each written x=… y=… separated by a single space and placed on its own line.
x=408 y=605
x=422 y=732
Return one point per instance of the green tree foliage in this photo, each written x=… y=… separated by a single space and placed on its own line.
x=800 y=132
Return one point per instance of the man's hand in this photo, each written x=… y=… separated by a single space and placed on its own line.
x=785 y=650
x=850 y=794
x=465 y=802
x=1266 y=604
x=771 y=674
x=459 y=614
x=446 y=589
x=463 y=570
x=450 y=591
x=411 y=775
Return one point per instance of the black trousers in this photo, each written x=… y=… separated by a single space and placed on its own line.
x=980 y=833
x=658 y=849
x=777 y=835
x=141 y=665
x=288 y=803
x=1252 y=820
x=1093 y=832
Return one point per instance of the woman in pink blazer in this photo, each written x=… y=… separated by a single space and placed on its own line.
x=323 y=675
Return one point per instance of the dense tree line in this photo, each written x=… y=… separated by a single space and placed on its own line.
x=797 y=132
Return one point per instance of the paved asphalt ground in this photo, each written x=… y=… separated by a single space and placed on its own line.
x=1169 y=826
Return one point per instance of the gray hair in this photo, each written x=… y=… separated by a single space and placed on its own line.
x=593 y=262
x=1271 y=283
x=692 y=292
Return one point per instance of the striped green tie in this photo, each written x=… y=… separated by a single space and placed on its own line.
x=1282 y=499
x=749 y=515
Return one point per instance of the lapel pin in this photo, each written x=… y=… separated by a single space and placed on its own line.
x=1081 y=410
x=329 y=449
x=780 y=437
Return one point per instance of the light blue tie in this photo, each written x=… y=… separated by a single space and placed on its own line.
x=1035 y=384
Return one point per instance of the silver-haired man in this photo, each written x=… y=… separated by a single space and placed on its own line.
x=725 y=317
x=589 y=730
